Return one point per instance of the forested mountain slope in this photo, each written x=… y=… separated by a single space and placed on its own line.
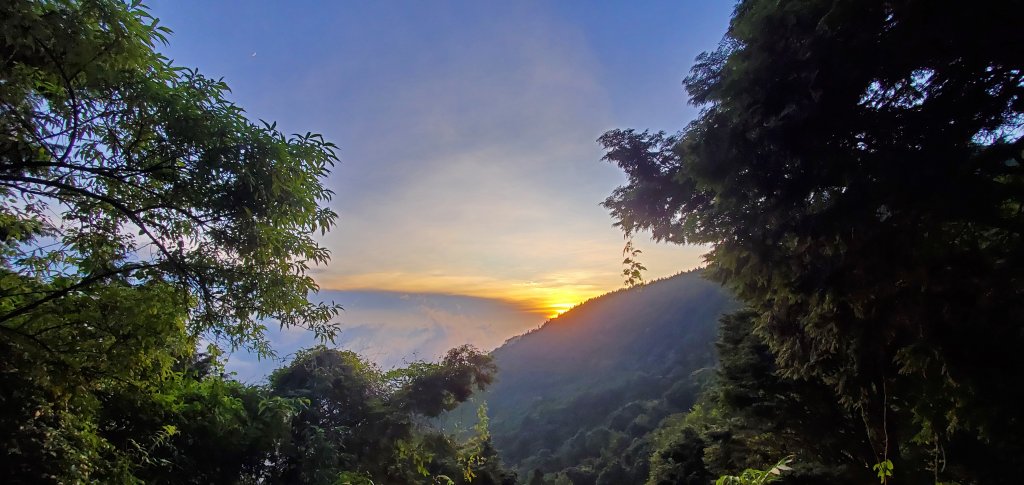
x=579 y=395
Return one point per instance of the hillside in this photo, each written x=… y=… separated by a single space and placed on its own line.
x=596 y=380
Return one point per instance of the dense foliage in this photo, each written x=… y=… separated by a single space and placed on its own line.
x=141 y=212
x=750 y=416
x=857 y=171
x=117 y=167
x=328 y=417
x=366 y=425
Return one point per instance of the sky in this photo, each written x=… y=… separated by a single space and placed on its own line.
x=470 y=180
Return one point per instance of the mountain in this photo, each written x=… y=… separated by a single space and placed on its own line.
x=579 y=396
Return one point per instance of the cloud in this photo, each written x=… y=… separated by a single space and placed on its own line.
x=392 y=328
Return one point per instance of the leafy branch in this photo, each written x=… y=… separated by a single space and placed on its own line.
x=632 y=271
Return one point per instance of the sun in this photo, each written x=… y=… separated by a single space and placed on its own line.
x=554 y=301
x=557 y=309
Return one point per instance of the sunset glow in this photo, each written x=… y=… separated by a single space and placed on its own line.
x=546 y=294
x=560 y=308
x=546 y=298
x=480 y=179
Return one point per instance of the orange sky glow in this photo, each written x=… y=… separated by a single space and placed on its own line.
x=547 y=295
x=469 y=165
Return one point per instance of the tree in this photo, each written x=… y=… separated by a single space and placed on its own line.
x=116 y=165
x=678 y=455
x=141 y=212
x=198 y=426
x=857 y=171
x=360 y=420
x=751 y=415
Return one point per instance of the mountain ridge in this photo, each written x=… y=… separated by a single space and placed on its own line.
x=614 y=365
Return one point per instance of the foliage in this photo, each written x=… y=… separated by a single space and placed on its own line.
x=329 y=417
x=751 y=476
x=678 y=451
x=362 y=422
x=884 y=470
x=479 y=459
x=142 y=214
x=749 y=415
x=857 y=172
x=223 y=430
x=54 y=395
x=117 y=167
x=632 y=268
x=147 y=430
x=349 y=478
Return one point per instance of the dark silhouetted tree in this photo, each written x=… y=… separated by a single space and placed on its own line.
x=857 y=171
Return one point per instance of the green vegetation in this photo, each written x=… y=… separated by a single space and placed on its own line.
x=751 y=416
x=757 y=477
x=857 y=171
x=355 y=421
x=326 y=418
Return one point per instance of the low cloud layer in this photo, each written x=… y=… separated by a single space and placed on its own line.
x=391 y=329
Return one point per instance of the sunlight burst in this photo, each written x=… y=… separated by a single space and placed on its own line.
x=557 y=309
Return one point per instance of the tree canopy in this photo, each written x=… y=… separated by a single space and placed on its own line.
x=142 y=214
x=119 y=168
x=857 y=171
x=358 y=420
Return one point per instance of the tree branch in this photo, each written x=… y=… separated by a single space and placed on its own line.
x=85 y=282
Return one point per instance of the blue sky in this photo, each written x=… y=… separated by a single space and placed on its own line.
x=469 y=167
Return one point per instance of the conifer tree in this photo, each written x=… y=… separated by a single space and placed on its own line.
x=857 y=171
